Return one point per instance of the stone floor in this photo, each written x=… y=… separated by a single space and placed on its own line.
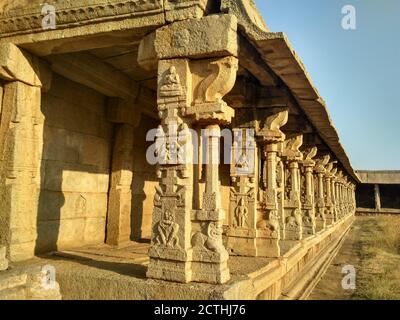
x=106 y=272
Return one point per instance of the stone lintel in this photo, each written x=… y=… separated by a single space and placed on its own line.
x=18 y=65
x=123 y=112
x=212 y=36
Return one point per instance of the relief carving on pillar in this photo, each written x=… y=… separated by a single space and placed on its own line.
x=170 y=147
x=171 y=86
x=167 y=230
x=242 y=195
x=210 y=238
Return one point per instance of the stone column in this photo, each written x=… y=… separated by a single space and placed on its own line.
x=170 y=252
x=377 y=198
x=334 y=195
x=209 y=111
x=268 y=230
x=293 y=217
x=329 y=208
x=320 y=204
x=338 y=199
x=308 y=204
x=341 y=196
x=21 y=143
x=197 y=67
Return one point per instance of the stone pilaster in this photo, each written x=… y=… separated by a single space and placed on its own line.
x=268 y=230
x=122 y=113
x=293 y=215
x=21 y=143
x=120 y=194
x=308 y=199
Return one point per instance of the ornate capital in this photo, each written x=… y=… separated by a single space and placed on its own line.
x=321 y=163
x=212 y=80
x=308 y=155
x=271 y=131
x=291 y=149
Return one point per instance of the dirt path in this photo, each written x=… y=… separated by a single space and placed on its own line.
x=353 y=252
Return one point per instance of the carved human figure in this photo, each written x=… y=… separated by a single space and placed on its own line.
x=241 y=214
x=167 y=230
x=172 y=82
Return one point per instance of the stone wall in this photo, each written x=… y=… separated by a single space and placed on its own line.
x=74 y=167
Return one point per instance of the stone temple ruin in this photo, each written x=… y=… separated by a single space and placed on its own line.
x=77 y=100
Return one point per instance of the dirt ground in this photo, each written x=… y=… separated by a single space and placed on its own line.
x=372 y=247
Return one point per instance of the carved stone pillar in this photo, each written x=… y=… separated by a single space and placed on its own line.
x=268 y=229
x=170 y=252
x=22 y=78
x=242 y=231
x=338 y=199
x=308 y=202
x=293 y=215
x=329 y=207
x=320 y=204
x=341 y=196
x=187 y=241
x=209 y=111
x=334 y=195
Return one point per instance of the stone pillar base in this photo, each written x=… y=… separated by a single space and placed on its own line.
x=268 y=246
x=209 y=272
x=320 y=224
x=242 y=242
x=3 y=260
x=308 y=230
x=169 y=270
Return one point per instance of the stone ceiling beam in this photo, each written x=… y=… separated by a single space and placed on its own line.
x=250 y=59
x=86 y=69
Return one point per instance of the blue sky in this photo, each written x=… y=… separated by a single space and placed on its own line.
x=357 y=72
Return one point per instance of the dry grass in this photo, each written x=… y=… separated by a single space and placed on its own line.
x=379 y=276
x=388 y=237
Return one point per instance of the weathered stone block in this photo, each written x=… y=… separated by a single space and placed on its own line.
x=17 y=65
x=212 y=36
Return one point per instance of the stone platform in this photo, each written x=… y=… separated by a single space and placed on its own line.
x=105 y=272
